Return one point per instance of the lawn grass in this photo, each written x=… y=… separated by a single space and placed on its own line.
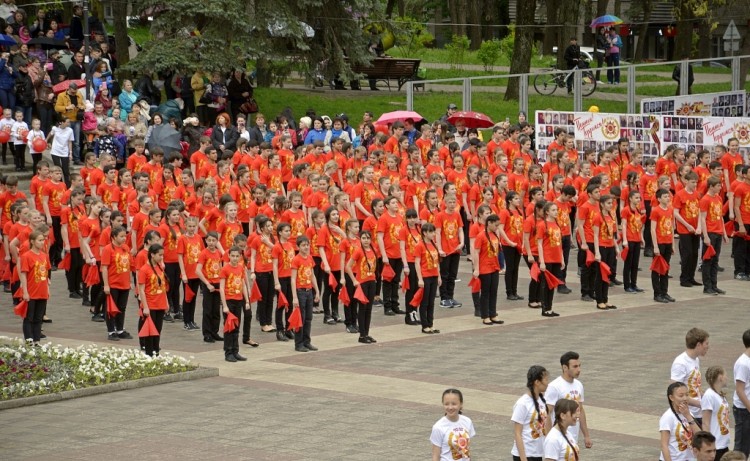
x=668 y=90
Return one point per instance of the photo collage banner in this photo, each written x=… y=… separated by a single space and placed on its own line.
x=724 y=104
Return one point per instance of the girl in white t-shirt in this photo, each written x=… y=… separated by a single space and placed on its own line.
x=677 y=426
x=560 y=445
x=531 y=422
x=716 y=409
x=452 y=433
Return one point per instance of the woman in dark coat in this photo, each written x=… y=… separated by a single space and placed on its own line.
x=224 y=136
x=240 y=91
x=192 y=132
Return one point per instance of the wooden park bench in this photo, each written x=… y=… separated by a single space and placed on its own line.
x=386 y=69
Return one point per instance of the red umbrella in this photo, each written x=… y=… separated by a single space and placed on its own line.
x=471 y=119
x=63 y=86
x=399 y=115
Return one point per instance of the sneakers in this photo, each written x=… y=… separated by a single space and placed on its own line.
x=74 y=295
x=563 y=290
x=389 y=312
x=310 y=347
x=455 y=303
x=178 y=315
x=301 y=349
x=239 y=358
x=367 y=340
x=587 y=298
x=97 y=318
x=742 y=276
x=168 y=318
x=113 y=337
x=709 y=291
x=661 y=299
x=352 y=329
x=124 y=335
x=280 y=336
x=446 y=303
x=230 y=358
x=287 y=333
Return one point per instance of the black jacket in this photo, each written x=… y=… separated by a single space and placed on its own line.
x=75 y=70
x=235 y=90
x=572 y=55
x=228 y=138
x=24 y=90
x=146 y=89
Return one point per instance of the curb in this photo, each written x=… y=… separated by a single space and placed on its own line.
x=199 y=373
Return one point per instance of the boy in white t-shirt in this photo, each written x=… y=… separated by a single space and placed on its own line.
x=686 y=369
x=741 y=399
x=567 y=386
x=18 y=133
x=6 y=124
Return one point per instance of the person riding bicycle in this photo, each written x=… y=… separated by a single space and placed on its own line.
x=572 y=57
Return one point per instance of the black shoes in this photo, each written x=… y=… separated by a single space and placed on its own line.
x=686 y=284
x=280 y=336
x=352 y=329
x=669 y=298
x=75 y=295
x=367 y=340
x=616 y=282
x=648 y=252
x=389 y=312
x=239 y=358
x=301 y=349
x=230 y=358
x=208 y=339
x=719 y=292
x=124 y=335
x=288 y=334
x=168 y=318
x=398 y=311
x=550 y=314
x=661 y=299
x=709 y=291
x=696 y=283
x=310 y=347
x=514 y=297
x=563 y=290
x=587 y=298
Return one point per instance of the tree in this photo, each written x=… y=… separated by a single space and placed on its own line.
x=567 y=20
x=642 y=11
x=219 y=35
x=521 y=62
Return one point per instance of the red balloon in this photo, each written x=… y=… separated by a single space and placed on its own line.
x=4 y=137
x=39 y=144
x=23 y=133
x=382 y=128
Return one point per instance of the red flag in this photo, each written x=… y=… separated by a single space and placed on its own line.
x=295 y=320
x=19 y=293
x=535 y=272
x=552 y=281
x=21 y=308
x=659 y=265
x=231 y=322
x=590 y=257
x=624 y=253
x=189 y=294
x=405 y=284
x=282 y=302
x=709 y=253
x=255 y=295
x=148 y=328
x=605 y=271
x=729 y=227
x=388 y=274
x=332 y=282
x=92 y=276
x=6 y=272
x=112 y=308
x=359 y=295
x=65 y=263
x=344 y=297
x=417 y=299
x=475 y=285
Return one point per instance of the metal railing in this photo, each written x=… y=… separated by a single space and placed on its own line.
x=629 y=72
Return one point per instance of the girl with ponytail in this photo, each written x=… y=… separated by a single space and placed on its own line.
x=427 y=265
x=559 y=445
x=171 y=233
x=409 y=237
x=511 y=237
x=487 y=267
x=676 y=425
x=549 y=243
x=531 y=422
x=152 y=290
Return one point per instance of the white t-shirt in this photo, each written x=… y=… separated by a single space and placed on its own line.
x=561 y=389
x=15 y=132
x=453 y=438
x=719 y=409
x=532 y=434
x=742 y=373
x=688 y=371
x=557 y=448
x=679 y=436
x=33 y=134
x=60 y=141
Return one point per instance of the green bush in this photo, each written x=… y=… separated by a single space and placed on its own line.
x=489 y=53
x=457 y=49
x=411 y=36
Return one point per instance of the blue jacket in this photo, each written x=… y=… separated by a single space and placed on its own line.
x=315 y=135
x=7 y=78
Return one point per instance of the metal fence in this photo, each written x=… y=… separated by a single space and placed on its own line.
x=725 y=73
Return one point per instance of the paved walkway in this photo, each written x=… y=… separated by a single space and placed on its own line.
x=362 y=402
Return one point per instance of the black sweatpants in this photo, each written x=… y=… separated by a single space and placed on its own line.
x=601 y=288
x=390 y=288
x=512 y=263
x=331 y=296
x=281 y=316
x=211 y=311
x=548 y=294
x=710 y=268
x=117 y=323
x=364 y=316
x=231 y=339
x=630 y=269
x=448 y=272
x=173 y=275
x=660 y=283
x=32 y=323
x=688 y=246
x=152 y=343
x=188 y=308
x=264 y=310
x=427 y=307
x=488 y=294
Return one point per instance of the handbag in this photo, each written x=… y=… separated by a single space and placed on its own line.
x=206 y=98
x=249 y=106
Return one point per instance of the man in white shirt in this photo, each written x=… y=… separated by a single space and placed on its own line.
x=704 y=446
x=567 y=386
x=686 y=369
x=742 y=398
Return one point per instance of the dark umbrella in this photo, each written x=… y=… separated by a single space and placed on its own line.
x=49 y=43
x=165 y=137
x=7 y=40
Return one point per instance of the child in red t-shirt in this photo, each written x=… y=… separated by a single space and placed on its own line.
x=427 y=265
x=152 y=292
x=662 y=234
x=233 y=292
x=304 y=293
x=487 y=268
x=33 y=268
x=361 y=270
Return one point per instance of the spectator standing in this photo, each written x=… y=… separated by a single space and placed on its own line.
x=615 y=43
x=572 y=57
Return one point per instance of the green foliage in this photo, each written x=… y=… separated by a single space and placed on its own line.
x=489 y=53
x=506 y=44
x=457 y=49
x=411 y=36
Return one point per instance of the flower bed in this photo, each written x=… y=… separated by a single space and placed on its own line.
x=27 y=371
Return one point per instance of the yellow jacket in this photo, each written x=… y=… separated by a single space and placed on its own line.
x=63 y=101
x=198 y=83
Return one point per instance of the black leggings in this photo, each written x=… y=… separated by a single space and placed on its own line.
x=331 y=296
x=74 y=274
x=211 y=311
x=390 y=288
x=548 y=294
x=535 y=288
x=120 y=296
x=350 y=311
x=512 y=262
x=152 y=343
x=173 y=275
x=630 y=269
x=231 y=339
x=318 y=271
x=188 y=308
x=264 y=311
x=488 y=294
x=601 y=288
x=364 y=316
x=410 y=292
x=660 y=283
x=427 y=307
x=55 y=249
x=282 y=315
x=32 y=323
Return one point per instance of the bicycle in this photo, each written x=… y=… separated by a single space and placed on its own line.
x=547 y=82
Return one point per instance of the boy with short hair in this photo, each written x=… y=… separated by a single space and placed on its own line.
x=450 y=240
x=662 y=234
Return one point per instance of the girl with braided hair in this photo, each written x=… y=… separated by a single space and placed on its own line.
x=531 y=422
x=676 y=425
x=487 y=267
x=152 y=290
x=559 y=445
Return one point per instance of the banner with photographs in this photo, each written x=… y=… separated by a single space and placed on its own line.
x=598 y=131
x=724 y=104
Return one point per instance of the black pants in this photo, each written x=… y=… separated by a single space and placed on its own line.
x=427 y=306
x=152 y=343
x=467 y=228
x=303 y=336
x=566 y=244
x=741 y=430
x=688 y=246
x=32 y=323
x=264 y=311
x=512 y=262
x=630 y=269
x=660 y=283
x=35 y=159
x=741 y=252
x=4 y=152
x=710 y=268
x=211 y=311
x=282 y=315
x=409 y=295
x=117 y=323
x=55 y=250
x=588 y=273
x=648 y=243
x=364 y=316
x=96 y=292
x=74 y=276
x=19 y=155
x=448 y=272
x=548 y=294
x=331 y=296
x=231 y=339
x=188 y=308
x=173 y=275
x=46 y=113
x=488 y=294
x=601 y=288
x=390 y=289
x=318 y=271
x=535 y=288
x=378 y=276
x=350 y=311
x=64 y=164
